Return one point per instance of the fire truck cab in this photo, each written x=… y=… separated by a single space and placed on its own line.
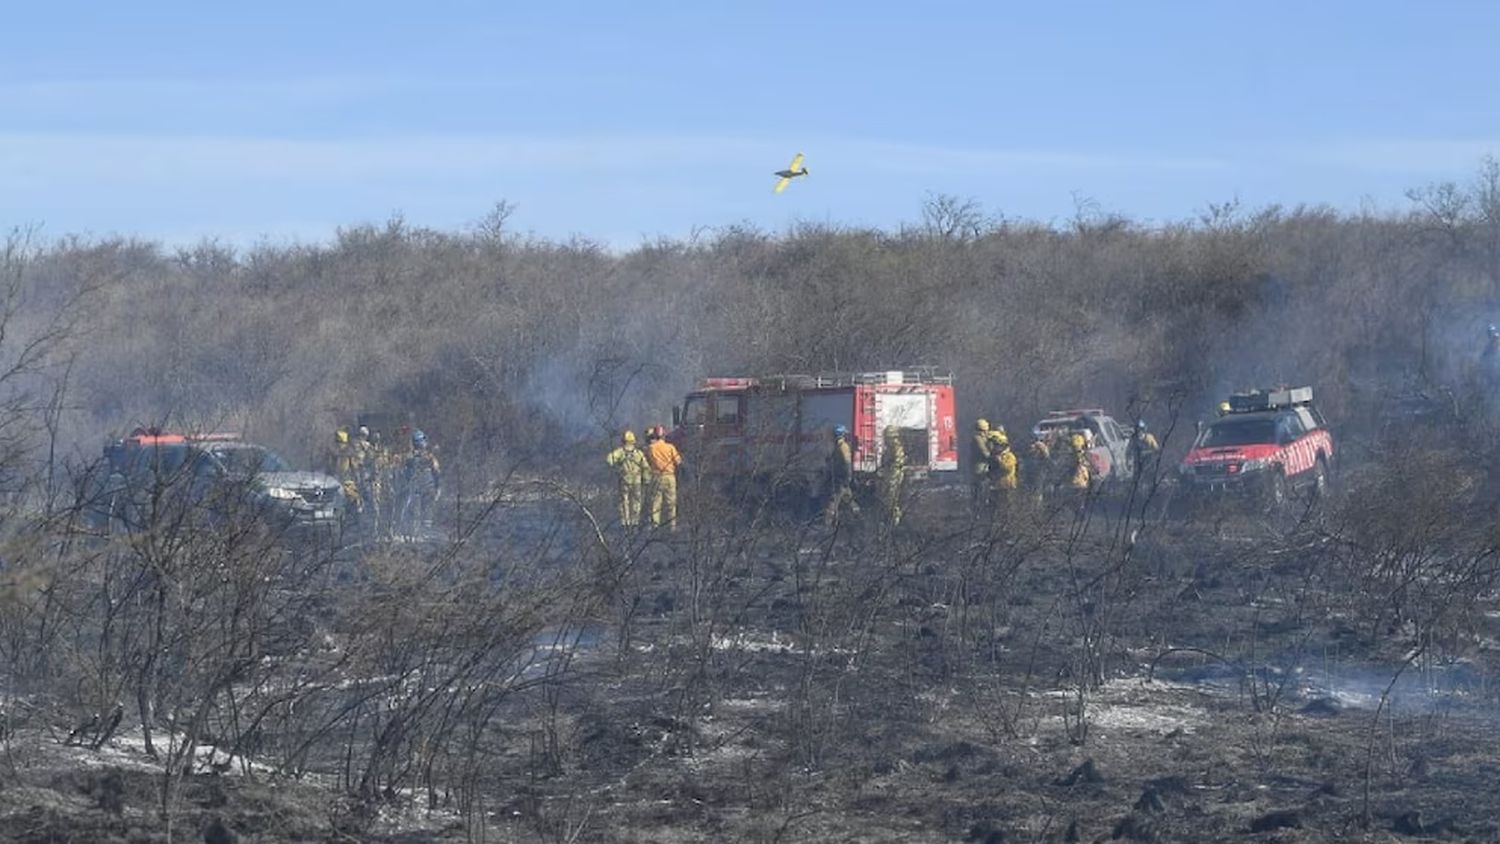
x=778 y=428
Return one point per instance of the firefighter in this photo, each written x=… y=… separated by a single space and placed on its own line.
x=648 y=482
x=422 y=482
x=1080 y=472
x=630 y=466
x=1038 y=458
x=840 y=478
x=382 y=470
x=1143 y=450
x=1004 y=472
x=344 y=463
x=983 y=446
x=664 y=459
x=892 y=475
x=368 y=474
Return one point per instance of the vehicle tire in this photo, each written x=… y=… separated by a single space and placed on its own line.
x=1276 y=490
x=1320 y=480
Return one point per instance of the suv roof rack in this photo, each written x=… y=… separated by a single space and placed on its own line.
x=1274 y=399
x=1073 y=413
x=215 y=437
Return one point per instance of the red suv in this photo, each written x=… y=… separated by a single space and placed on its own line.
x=1270 y=444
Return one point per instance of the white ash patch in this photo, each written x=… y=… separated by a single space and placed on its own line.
x=1139 y=705
x=775 y=643
x=1154 y=719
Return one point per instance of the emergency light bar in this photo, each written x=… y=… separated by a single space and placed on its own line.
x=154 y=436
x=155 y=439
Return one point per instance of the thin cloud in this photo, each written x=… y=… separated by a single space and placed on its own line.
x=917 y=158
x=1399 y=156
x=74 y=93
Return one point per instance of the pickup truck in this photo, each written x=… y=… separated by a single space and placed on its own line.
x=1109 y=449
x=1271 y=444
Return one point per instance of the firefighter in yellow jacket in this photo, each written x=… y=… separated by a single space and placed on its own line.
x=840 y=467
x=1005 y=472
x=1038 y=458
x=1081 y=473
x=630 y=468
x=892 y=475
x=983 y=447
x=345 y=462
x=1144 y=449
x=663 y=459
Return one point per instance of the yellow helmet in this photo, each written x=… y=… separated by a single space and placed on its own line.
x=1077 y=441
x=342 y=436
x=981 y=424
x=1001 y=438
x=628 y=437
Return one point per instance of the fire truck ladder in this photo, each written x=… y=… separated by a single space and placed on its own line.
x=869 y=438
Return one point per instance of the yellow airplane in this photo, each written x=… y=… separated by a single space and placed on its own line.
x=796 y=169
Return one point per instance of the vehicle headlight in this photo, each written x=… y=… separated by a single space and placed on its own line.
x=1255 y=465
x=280 y=492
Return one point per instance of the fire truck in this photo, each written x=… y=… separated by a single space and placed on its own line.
x=1269 y=444
x=777 y=430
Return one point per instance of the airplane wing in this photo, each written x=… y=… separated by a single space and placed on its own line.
x=781 y=184
x=796 y=162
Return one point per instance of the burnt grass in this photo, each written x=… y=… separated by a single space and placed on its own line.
x=1046 y=679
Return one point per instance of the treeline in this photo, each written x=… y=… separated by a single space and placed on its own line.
x=507 y=346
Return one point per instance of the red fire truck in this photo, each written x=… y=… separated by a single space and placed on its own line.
x=778 y=429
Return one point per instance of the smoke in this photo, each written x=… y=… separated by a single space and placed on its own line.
x=1422 y=689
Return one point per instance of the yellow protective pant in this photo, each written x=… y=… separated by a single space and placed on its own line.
x=839 y=499
x=978 y=483
x=664 y=500
x=630 y=503
x=890 y=497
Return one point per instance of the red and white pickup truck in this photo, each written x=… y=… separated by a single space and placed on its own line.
x=1270 y=444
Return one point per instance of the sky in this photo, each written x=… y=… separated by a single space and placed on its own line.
x=625 y=122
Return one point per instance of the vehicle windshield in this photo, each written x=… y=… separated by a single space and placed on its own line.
x=1228 y=432
x=246 y=460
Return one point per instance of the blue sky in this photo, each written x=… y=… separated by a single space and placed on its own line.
x=625 y=121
